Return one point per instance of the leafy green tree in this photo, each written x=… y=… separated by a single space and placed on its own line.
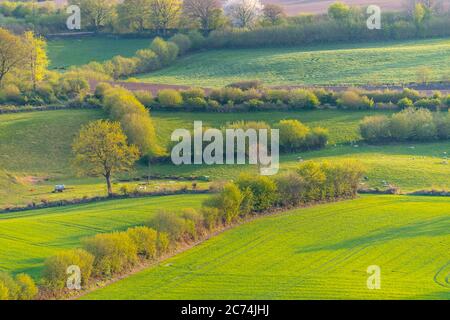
x=101 y=148
x=339 y=11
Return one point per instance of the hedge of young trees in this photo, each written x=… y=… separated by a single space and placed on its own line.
x=20 y=287
x=107 y=255
x=408 y=125
x=252 y=96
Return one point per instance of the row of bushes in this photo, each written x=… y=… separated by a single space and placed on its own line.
x=56 y=89
x=251 y=96
x=20 y=287
x=106 y=255
x=408 y=125
x=323 y=31
x=160 y=54
x=135 y=120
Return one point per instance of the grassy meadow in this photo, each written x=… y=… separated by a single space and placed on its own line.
x=378 y=63
x=35 y=153
x=28 y=238
x=316 y=253
x=74 y=52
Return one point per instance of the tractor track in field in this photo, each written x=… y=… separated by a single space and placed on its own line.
x=154 y=88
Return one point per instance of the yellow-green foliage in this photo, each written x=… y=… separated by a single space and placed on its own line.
x=145 y=240
x=113 y=252
x=55 y=274
x=22 y=287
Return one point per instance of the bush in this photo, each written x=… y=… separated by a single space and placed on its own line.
x=225 y=95
x=375 y=129
x=170 y=98
x=314 y=179
x=262 y=188
x=293 y=135
x=182 y=41
x=317 y=138
x=114 y=253
x=303 y=99
x=211 y=218
x=193 y=93
x=9 y=289
x=277 y=95
x=227 y=202
x=145 y=240
x=354 y=101
x=147 y=60
x=176 y=227
x=405 y=103
x=289 y=186
x=442 y=122
x=144 y=97
x=430 y=104
x=55 y=275
x=167 y=52
x=27 y=288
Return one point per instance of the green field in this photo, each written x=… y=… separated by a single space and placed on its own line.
x=316 y=253
x=391 y=62
x=35 y=153
x=28 y=238
x=74 y=52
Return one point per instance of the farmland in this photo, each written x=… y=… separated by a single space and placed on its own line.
x=74 y=52
x=28 y=238
x=312 y=254
x=395 y=62
x=30 y=178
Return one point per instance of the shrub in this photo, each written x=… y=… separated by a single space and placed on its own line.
x=193 y=93
x=147 y=60
x=211 y=217
x=145 y=240
x=317 y=138
x=314 y=179
x=175 y=226
x=228 y=202
x=55 y=275
x=10 y=290
x=354 y=101
x=27 y=288
x=430 y=104
x=262 y=188
x=277 y=95
x=442 y=122
x=170 y=98
x=293 y=135
x=166 y=51
x=101 y=89
x=162 y=243
x=195 y=221
x=375 y=129
x=225 y=95
x=114 y=252
x=303 y=99
x=411 y=94
x=11 y=93
x=144 y=97
x=196 y=103
x=182 y=41
x=405 y=103
x=289 y=187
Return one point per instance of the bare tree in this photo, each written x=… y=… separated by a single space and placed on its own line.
x=203 y=10
x=243 y=13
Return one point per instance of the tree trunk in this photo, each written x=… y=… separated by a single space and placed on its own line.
x=108 y=183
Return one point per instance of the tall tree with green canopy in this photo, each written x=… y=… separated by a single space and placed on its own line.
x=101 y=149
